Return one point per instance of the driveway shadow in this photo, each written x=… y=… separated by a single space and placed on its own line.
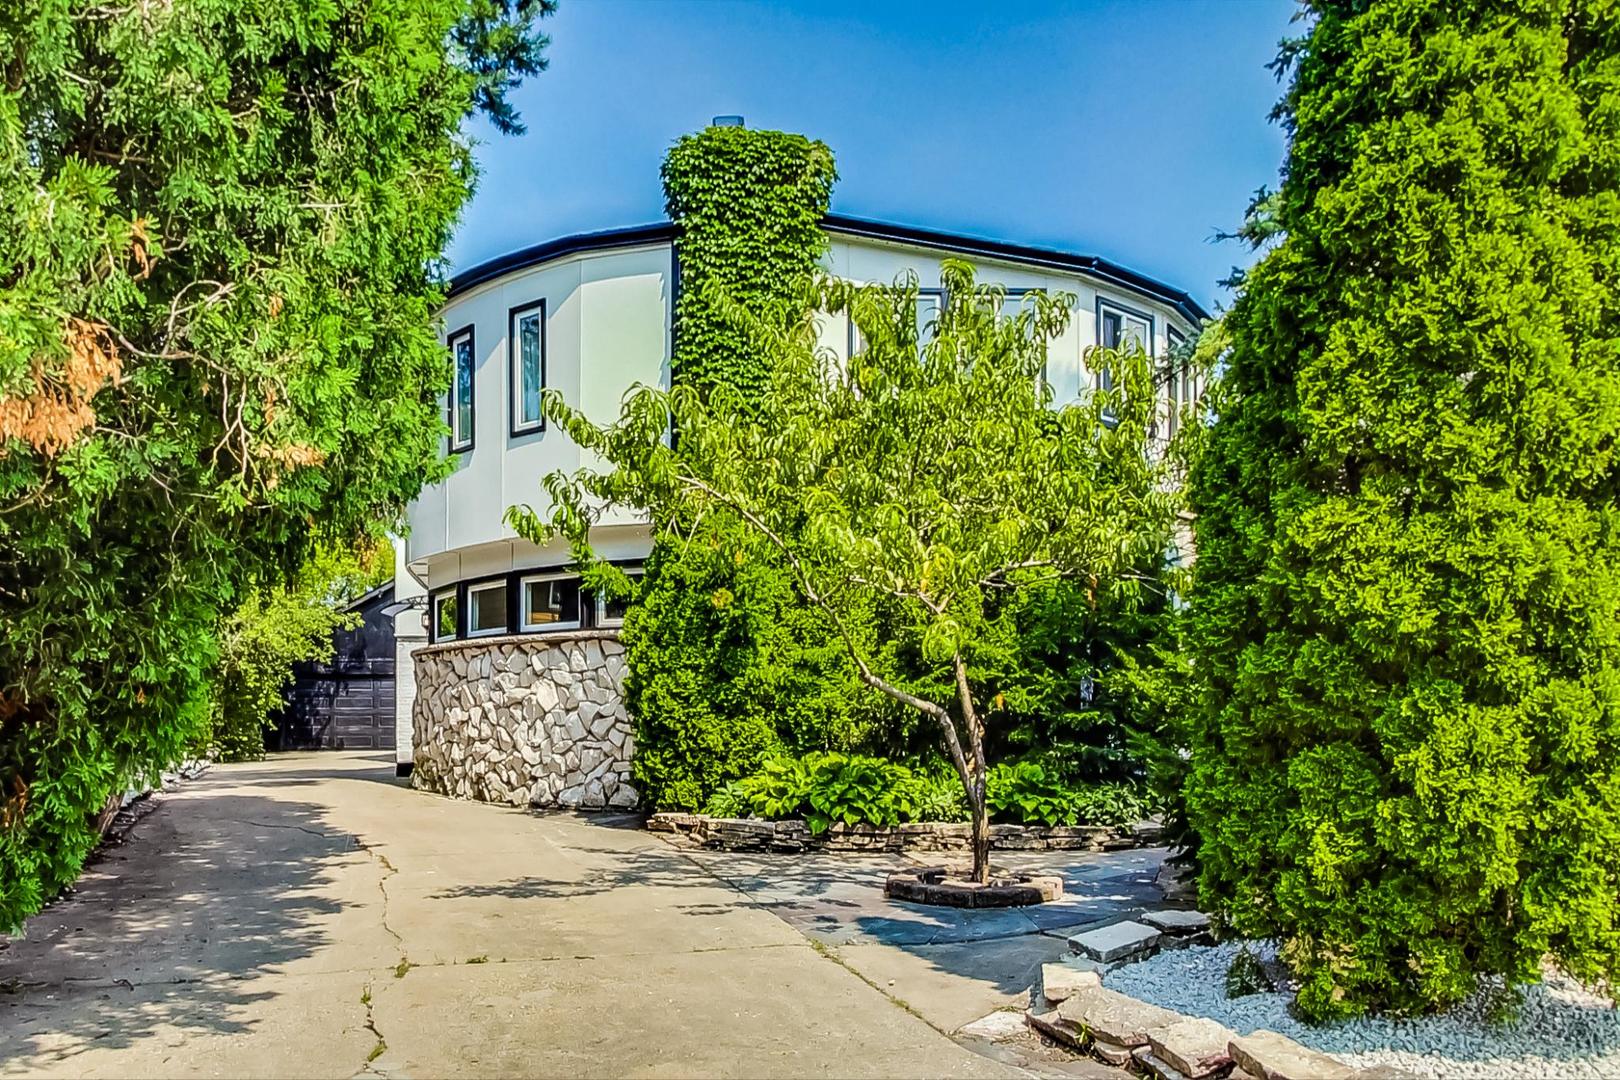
x=171 y=929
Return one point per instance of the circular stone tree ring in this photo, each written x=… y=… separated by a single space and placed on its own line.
x=947 y=886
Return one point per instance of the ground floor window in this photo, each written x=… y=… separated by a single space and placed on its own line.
x=550 y=602
x=486 y=609
x=610 y=610
x=444 y=616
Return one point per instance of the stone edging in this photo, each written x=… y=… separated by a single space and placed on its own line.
x=1072 y=1006
x=793 y=835
x=936 y=885
x=542 y=638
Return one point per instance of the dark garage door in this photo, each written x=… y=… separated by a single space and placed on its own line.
x=350 y=707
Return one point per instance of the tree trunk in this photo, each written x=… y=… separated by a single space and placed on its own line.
x=975 y=773
x=981 y=826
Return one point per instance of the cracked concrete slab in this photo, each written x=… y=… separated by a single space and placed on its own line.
x=312 y=916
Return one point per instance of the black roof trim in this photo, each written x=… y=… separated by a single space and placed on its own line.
x=523 y=258
x=1182 y=302
x=662 y=232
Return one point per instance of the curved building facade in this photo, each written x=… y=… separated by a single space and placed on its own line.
x=591 y=316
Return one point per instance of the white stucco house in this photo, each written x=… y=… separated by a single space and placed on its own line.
x=591 y=315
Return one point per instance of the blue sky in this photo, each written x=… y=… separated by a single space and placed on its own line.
x=1128 y=130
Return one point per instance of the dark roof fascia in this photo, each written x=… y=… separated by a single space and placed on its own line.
x=523 y=258
x=369 y=595
x=1180 y=301
x=664 y=232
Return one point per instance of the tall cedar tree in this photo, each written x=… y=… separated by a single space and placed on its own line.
x=222 y=224
x=1406 y=763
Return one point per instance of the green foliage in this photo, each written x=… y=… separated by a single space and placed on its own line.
x=929 y=480
x=1247 y=975
x=1062 y=665
x=1022 y=792
x=824 y=789
x=936 y=795
x=748 y=205
x=1036 y=793
x=273 y=629
x=1407 y=609
x=727 y=665
x=218 y=273
x=828 y=788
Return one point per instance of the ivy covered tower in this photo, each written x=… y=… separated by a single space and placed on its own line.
x=748 y=209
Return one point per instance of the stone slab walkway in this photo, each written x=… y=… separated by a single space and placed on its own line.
x=950 y=966
x=311 y=916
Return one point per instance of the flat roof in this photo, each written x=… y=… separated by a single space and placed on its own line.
x=840 y=224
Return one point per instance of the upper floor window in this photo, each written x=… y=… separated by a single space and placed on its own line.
x=929 y=304
x=1175 y=379
x=1117 y=328
x=461 y=391
x=526 y=345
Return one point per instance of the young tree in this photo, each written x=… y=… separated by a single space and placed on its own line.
x=932 y=476
x=219 y=266
x=276 y=626
x=1406 y=615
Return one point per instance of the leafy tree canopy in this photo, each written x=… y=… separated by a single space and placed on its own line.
x=928 y=473
x=220 y=233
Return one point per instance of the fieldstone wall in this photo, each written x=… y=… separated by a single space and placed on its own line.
x=536 y=720
x=793 y=835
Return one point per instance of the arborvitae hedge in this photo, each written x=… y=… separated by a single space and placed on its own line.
x=1407 y=613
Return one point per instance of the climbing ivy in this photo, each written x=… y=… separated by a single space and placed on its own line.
x=748 y=207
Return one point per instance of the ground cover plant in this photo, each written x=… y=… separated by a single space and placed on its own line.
x=1406 y=615
x=219 y=269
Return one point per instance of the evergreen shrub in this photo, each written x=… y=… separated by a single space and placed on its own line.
x=1406 y=620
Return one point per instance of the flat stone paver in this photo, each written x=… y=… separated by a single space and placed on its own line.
x=1117 y=941
x=312 y=916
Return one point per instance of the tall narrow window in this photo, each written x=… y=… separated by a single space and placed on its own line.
x=461 y=391
x=444 y=616
x=1118 y=327
x=1175 y=379
x=929 y=304
x=526 y=343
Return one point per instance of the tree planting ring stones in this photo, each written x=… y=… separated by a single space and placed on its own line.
x=945 y=886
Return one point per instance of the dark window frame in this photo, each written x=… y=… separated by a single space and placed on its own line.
x=451 y=340
x=513 y=580
x=851 y=331
x=514 y=357
x=1106 y=304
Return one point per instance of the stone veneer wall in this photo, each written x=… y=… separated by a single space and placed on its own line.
x=535 y=720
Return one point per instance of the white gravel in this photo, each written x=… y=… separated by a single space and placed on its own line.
x=1560 y=1029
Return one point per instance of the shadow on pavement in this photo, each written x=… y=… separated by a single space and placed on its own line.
x=168 y=931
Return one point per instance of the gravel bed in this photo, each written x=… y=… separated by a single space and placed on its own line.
x=1560 y=1029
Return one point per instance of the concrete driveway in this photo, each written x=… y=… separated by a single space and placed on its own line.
x=312 y=916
